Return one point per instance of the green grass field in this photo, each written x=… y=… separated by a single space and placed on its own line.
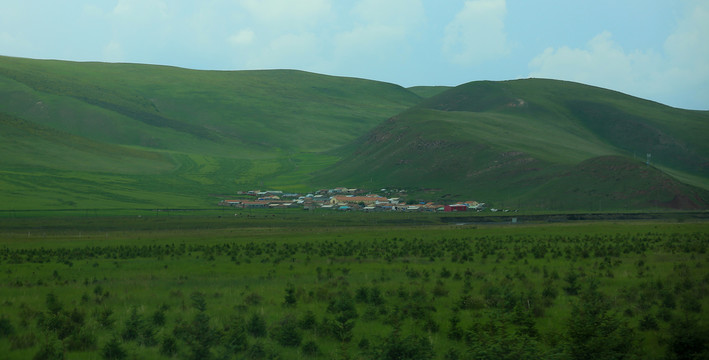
x=294 y=285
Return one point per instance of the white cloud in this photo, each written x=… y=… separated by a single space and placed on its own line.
x=288 y=13
x=380 y=28
x=603 y=63
x=93 y=11
x=243 y=37
x=293 y=51
x=279 y=33
x=687 y=48
x=396 y=13
x=141 y=10
x=477 y=33
x=678 y=75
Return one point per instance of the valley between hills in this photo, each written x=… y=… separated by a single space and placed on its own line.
x=115 y=136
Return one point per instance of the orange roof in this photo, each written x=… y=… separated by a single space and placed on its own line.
x=351 y=199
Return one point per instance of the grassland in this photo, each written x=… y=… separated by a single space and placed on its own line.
x=328 y=285
x=91 y=135
x=537 y=144
x=114 y=136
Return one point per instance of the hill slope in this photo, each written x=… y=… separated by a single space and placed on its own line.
x=155 y=136
x=528 y=143
x=93 y=135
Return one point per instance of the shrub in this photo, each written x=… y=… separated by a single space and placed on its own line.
x=688 y=340
x=256 y=325
x=648 y=322
x=198 y=301
x=592 y=329
x=342 y=328
x=133 y=326
x=235 y=336
x=455 y=332
x=22 y=341
x=50 y=350
x=103 y=317
x=253 y=299
x=147 y=335
x=411 y=347
x=168 y=346
x=198 y=335
x=310 y=349
x=440 y=289
x=256 y=351
x=362 y=294
x=53 y=304
x=290 y=299
x=286 y=332
x=343 y=306
x=452 y=354
x=572 y=287
x=308 y=321
x=113 y=350
x=82 y=340
x=6 y=328
x=158 y=318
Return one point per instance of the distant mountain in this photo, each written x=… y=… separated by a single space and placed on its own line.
x=540 y=144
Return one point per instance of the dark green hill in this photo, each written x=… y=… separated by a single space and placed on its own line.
x=126 y=135
x=529 y=143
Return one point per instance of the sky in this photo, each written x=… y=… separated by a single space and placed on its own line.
x=654 y=49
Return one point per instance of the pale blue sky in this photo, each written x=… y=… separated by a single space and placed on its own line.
x=655 y=49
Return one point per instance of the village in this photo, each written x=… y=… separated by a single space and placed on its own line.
x=344 y=199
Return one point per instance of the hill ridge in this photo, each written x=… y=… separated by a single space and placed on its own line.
x=175 y=135
x=519 y=135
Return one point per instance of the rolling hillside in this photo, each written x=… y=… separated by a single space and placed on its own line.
x=95 y=135
x=537 y=144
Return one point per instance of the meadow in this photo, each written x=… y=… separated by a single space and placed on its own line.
x=296 y=285
x=105 y=136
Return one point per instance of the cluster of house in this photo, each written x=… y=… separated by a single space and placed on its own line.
x=343 y=199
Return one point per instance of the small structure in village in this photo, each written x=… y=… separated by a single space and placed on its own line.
x=341 y=198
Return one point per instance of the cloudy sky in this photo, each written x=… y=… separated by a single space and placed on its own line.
x=655 y=49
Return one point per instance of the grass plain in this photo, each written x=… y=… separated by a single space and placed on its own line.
x=297 y=284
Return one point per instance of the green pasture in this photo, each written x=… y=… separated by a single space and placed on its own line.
x=529 y=142
x=363 y=286
x=92 y=135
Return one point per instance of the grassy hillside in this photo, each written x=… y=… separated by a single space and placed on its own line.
x=537 y=144
x=107 y=135
x=428 y=91
x=96 y=135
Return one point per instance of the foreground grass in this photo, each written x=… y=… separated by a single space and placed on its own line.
x=303 y=286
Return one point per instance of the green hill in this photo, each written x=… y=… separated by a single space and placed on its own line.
x=94 y=135
x=541 y=144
